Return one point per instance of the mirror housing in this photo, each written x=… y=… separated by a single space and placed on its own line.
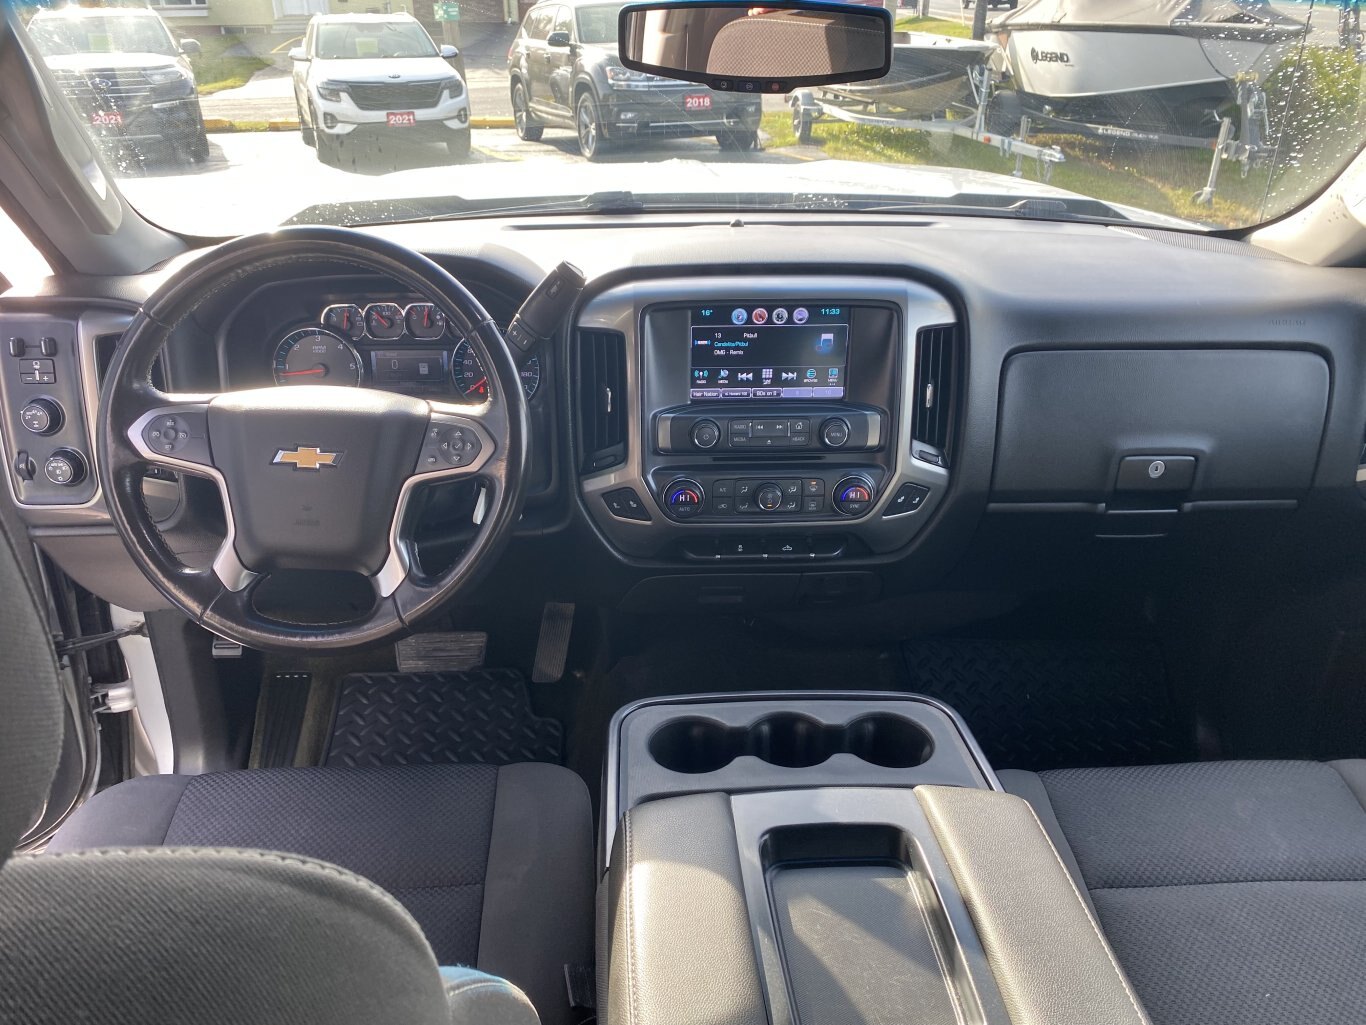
x=191 y=47
x=732 y=45
x=296 y=53
x=559 y=39
x=449 y=52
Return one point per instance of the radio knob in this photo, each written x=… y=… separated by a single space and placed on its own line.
x=835 y=433
x=854 y=495
x=65 y=467
x=41 y=416
x=769 y=497
x=705 y=434
x=684 y=499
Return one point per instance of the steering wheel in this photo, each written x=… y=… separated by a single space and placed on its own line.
x=312 y=477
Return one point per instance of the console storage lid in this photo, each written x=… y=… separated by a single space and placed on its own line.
x=850 y=905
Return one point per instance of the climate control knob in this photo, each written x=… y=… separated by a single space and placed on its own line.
x=684 y=499
x=854 y=495
x=705 y=434
x=835 y=433
x=65 y=467
x=768 y=497
x=41 y=416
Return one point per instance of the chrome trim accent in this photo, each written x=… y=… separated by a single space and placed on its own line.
x=226 y=563
x=396 y=567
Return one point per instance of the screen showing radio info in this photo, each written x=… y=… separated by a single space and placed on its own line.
x=764 y=351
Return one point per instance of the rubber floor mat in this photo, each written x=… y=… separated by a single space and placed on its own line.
x=1053 y=704
x=424 y=718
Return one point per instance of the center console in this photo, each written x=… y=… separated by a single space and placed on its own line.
x=766 y=420
x=833 y=859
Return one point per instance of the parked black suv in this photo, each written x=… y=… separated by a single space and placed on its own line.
x=565 y=73
x=128 y=77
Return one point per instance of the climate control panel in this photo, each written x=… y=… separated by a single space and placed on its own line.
x=815 y=494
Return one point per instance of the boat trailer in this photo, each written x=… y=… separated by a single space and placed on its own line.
x=980 y=123
x=809 y=106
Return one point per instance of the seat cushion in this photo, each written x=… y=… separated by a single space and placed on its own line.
x=495 y=863
x=170 y=937
x=1234 y=893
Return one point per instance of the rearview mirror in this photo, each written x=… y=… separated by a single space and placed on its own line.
x=296 y=53
x=734 y=45
x=449 y=52
x=557 y=39
x=190 y=47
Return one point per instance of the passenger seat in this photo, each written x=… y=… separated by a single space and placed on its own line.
x=1234 y=893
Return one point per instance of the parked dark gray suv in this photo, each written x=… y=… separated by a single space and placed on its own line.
x=565 y=73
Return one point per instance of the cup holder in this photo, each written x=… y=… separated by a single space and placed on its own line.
x=695 y=745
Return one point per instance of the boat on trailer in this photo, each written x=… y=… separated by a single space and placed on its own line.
x=1163 y=65
x=930 y=74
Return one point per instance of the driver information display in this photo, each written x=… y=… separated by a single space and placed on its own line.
x=745 y=351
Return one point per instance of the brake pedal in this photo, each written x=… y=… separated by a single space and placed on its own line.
x=552 y=648
x=442 y=652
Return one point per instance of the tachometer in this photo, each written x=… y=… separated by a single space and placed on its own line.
x=471 y=380
x=311 y=355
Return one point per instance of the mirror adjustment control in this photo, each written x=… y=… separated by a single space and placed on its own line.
x=854 y=495
x=684 y=499
x=41 y=416
x=835 y=433
x=65 y=467
x=706 y=434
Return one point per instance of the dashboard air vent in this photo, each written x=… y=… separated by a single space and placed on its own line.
x=602 y=399
x=936 y=356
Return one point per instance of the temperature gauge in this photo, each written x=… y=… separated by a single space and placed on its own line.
x=425 y=321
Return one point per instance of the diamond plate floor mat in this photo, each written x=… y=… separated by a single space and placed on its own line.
x=423 y=718
x=1051 y=704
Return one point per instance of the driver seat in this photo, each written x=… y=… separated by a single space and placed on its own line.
x=496 y=863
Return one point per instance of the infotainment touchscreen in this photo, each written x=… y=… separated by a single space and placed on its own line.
x=769 y=351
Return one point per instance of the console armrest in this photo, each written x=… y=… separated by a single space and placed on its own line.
x=676 y=921
x=1051 y=962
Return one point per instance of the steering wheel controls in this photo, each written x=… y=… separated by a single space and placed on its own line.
x=684 y=499
x=854 y=495
x=179 y=434
x=449 y=446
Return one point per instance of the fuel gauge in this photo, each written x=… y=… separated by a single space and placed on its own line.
x=425 y=321
x=346 y=320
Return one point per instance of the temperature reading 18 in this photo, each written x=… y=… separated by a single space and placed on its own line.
x=830 y=311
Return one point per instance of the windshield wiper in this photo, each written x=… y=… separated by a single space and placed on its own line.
x=444 y=208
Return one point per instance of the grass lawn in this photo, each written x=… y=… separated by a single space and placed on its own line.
x=216 y=69
x=941 y=26
x=1164 y=183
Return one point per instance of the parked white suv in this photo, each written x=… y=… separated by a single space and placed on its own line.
x=377 y=73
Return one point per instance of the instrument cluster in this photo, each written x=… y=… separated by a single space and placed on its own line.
x=400 y=347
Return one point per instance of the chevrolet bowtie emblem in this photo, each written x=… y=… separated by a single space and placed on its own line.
x=306 y=458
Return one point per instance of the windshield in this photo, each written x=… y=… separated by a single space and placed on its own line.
x=1191 y=114
x=359 y=40
x=598 y=24
x=107 y=34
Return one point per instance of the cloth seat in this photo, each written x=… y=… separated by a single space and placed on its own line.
x=1233 y=893
x=494 y=863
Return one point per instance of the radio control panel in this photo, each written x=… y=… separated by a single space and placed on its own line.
x=828 y=429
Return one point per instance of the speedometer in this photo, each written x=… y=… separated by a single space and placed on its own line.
x=311 y=355
x=472 y=381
